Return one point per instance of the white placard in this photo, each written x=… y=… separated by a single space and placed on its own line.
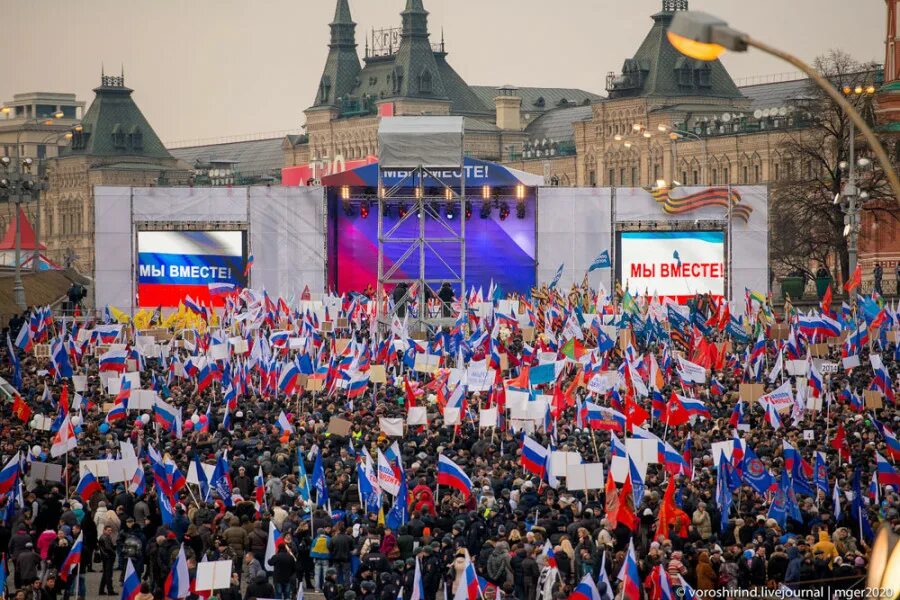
x=41 y=471
x=117 y=471
x=451 y=416
x=619 y=468
x=99 y=468
x=426 y=363
x=482 y=382
x=724 y=447
x=217 y=352
x=828 y=367
x=114 y=384
x=79 y=382
x=417 y=415
x=587 y=476
x=809 y=434
x=795 y=367
x=560 y=460
x=642 y=452
x=516 y=398
x=546 y=357
x=456 y=377
x=142 y=400
x=603 y=382
x=851 y=362
x=213 y=575
x=487 y=417
x=485 y=309
x=391 y=426
x=192 y=472
x=813 y=403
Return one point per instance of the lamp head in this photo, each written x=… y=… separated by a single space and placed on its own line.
x=58 y=114
x=702 y=36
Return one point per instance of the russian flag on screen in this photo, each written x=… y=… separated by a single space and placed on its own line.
x=175 y=264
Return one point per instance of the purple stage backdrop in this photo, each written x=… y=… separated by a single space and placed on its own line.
x=502 y=250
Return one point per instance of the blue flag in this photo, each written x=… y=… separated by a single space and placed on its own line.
x=220 y=481
x=558 y=275
x=754 y=472
x=399 y=513
x=201 y=478
x=302 y=479
x=318 y=481
x=601 y=262
x=724 y=496
x=858 y=509
x=820 y=473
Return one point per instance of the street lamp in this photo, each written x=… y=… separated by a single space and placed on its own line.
x=17 y=183
x=677 y=134
x=704 y=37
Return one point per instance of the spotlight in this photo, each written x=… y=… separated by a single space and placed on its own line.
x=504 y=211
x=486 y=209
x=520 y=192
x=348 y=208
x=364 y=209
x=520 y=209
x=387 y=210
x=451 y=212
x=468 y=209
x=345 y=192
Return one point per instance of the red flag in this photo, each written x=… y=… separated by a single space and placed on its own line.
x=666 y=511
x=635 y=414
x=64 y=398
x=676 y=413
x=612 y=500
x=855 y=279
x=839 y=442
x=626 y=513
x=21 y=409
x=410 y=396
x=826 y=300
x=725 y=317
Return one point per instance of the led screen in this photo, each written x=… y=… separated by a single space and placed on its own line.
x=675 y=264
x=498 y=249
x=201 y=264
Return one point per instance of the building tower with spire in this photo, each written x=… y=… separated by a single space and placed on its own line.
x=342 y=65
x=113 y=145
x=888 y=111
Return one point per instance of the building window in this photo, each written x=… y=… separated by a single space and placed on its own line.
x=622 y=176
x=656 y=172
x=41 y=151
x=725 y=175
x=777 y=172
x=684 y=178
x=45 y=111
x=634 y=179
x=715 y=176
x=612 y=177
x=744 y=179
x=756 y=174
x=592 y=178
x=696 y=178
x=69 y=112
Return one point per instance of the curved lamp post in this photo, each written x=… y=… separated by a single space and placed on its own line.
x=704 y=37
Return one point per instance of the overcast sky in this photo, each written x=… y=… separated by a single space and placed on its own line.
x=217 y=68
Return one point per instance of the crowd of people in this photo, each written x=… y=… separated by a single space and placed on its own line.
x=524 y=534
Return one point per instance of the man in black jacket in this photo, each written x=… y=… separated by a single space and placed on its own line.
x=340 y=547
x=259 y=588
x=284 y=566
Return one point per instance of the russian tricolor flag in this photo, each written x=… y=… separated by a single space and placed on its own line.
x=178 y=582
x=283 y=424
x=534 y=457
x=73 y=559
x=113 y=360
x=9 y=474
x=451 y=475
x=586 y=590
x=88 y=486
x=887 y=475
x=131 y=584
